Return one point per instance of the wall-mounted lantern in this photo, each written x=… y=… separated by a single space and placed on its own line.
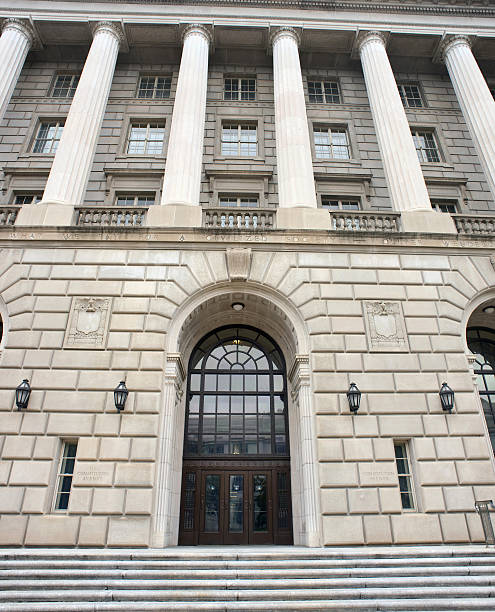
x=22 y=394
x=446 y=397
x=354 y=397
x=120 y=394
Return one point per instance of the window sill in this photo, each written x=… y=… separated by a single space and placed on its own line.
x=239 y=158
x=32 y=155
x=337 y=163
x=139 y=158
x=436 y=166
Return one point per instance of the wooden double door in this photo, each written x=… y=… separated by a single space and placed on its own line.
x=236 y=503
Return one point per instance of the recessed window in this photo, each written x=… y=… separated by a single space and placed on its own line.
x=238 y=201
x=320 y=92
x=27 y=198
x=154 y=87
x=48 y=136
x=239 y=89
x=239 y=140
x=64 y=475
x=426 y=146
x=146 y=138
x=444 y=206
x=410 y=95
x=339 y=203
x=64 y=85
x=331 y=143
x=405 y=476
x=135 y=199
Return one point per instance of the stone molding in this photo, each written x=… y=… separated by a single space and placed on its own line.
x=371 y=36
x=88 y=323
x=453 y=40
x=285 y=32
x=198 y=28
x=385 y=327
x=239 y=263
x=23 y=26
x=112 y=27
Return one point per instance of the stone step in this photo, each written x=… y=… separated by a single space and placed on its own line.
x=266 y=595
x=392 y=605
x=90 y=572
x=262 y=582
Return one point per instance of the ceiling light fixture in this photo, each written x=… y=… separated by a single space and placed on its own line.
x=238 y=306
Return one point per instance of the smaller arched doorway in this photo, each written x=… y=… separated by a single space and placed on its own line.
x=236 y=459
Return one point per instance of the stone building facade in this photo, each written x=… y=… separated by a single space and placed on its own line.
x=308 y=188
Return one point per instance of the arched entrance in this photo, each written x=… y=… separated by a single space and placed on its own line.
x=481 y=342
x=236 y=459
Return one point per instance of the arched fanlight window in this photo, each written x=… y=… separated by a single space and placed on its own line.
x=237 y=396
x=481 y=342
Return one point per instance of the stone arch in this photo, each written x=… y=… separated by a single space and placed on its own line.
x=268 y=310
x=4 y=325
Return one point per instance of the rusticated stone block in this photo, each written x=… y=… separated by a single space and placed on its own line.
x=52 y=531
x=128 y=531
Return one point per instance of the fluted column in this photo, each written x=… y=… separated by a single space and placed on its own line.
x=296 y=186
x=69 y=174
x=182 y=181
x=475 y=100
x=15 y=42
x=400 y=161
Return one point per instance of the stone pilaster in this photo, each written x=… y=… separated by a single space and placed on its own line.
x=296 y=186
x=169 y=467
x=182 y=180
x=309 y=484
x=475 y=100
x=69 y=174
x=402 y=168
x=15 y=42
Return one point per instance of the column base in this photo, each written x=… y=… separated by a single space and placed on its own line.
x=174 y=215
x=303 y=218
x=59 y=215
x=427 y=222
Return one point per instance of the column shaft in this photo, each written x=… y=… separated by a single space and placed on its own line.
x=72 y=163
x=183 y=169
x=475 y=100
x=296 y=186
x=400 y=161
x=15 y=43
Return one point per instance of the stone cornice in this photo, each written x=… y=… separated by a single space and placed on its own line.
x=447 y=7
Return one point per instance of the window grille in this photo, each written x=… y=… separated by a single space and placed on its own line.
x=404 y=474
x=444 y=206
x=237 y=201
x=410 y=96
x=48 y=136
x=239 y=140
x=146 y=139
x=331 y=143
x=239 y=89
x=154 y=87
x=135 y=200
x=426 y=146
x=64 y=85
x=320 y=92
x=27 y=198
x=339 y=204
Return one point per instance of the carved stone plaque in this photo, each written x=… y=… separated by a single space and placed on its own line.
x=88 y=323
x=385 y=327
x=238 y=263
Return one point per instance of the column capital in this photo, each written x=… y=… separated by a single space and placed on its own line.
x=197 y=28
x=111 y=27
x=284 y=32
x=371 y=36
x=23 y=27
x=453 y=40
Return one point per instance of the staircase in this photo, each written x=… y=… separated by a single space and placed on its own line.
x=255 y=578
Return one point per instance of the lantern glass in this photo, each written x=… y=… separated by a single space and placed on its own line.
x=354 y=397
x=446 y=397
x=120 y=394
x=22 y=394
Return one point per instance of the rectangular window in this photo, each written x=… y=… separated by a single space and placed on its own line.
x=331 y=143
x=135 y=199
x=410 y=95
x=146 y=139
x=339 y=203
x=48 y=136
x=404 y=474
x=64 y=476
x=27 y=198
x=426 y=146
x=320 y=92
x=154 y=87
x=64 y=85
x=240 y=202
x=444 y=206
x=239 y=89
x=239 y=140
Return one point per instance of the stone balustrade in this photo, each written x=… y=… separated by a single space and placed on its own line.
x=8 y=214
x=245 y=219
x=475 y=224
x=361 y=221
x=114 y=215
